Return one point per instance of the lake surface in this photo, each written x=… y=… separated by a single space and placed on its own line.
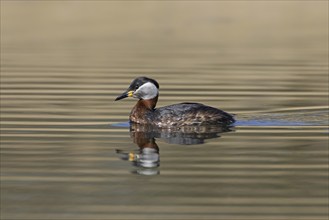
x=67 y=151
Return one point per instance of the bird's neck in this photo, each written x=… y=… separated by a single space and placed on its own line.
x=147 y=103
x=140 y=113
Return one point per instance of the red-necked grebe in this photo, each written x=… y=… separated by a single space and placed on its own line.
x=177 y=115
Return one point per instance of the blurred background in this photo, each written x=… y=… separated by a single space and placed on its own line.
x=235 y=47
x=64 y=62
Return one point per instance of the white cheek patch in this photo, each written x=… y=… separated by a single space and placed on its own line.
x=146 y=91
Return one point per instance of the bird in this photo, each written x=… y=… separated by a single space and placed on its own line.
x=146 y=90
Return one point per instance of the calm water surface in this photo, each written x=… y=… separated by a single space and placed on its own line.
x=67 y=151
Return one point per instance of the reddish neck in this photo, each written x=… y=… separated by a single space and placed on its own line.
x=138 y=113
x=148 y=103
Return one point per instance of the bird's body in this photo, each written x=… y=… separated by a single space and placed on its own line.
x=176 y=115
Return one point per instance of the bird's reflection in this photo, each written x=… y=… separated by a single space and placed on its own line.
x=147 y=158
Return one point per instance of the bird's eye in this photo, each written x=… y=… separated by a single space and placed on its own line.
x=136 y=87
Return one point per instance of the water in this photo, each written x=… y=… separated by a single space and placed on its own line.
x=67 y=151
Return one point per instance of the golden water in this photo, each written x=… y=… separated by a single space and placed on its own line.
x=63 y=64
